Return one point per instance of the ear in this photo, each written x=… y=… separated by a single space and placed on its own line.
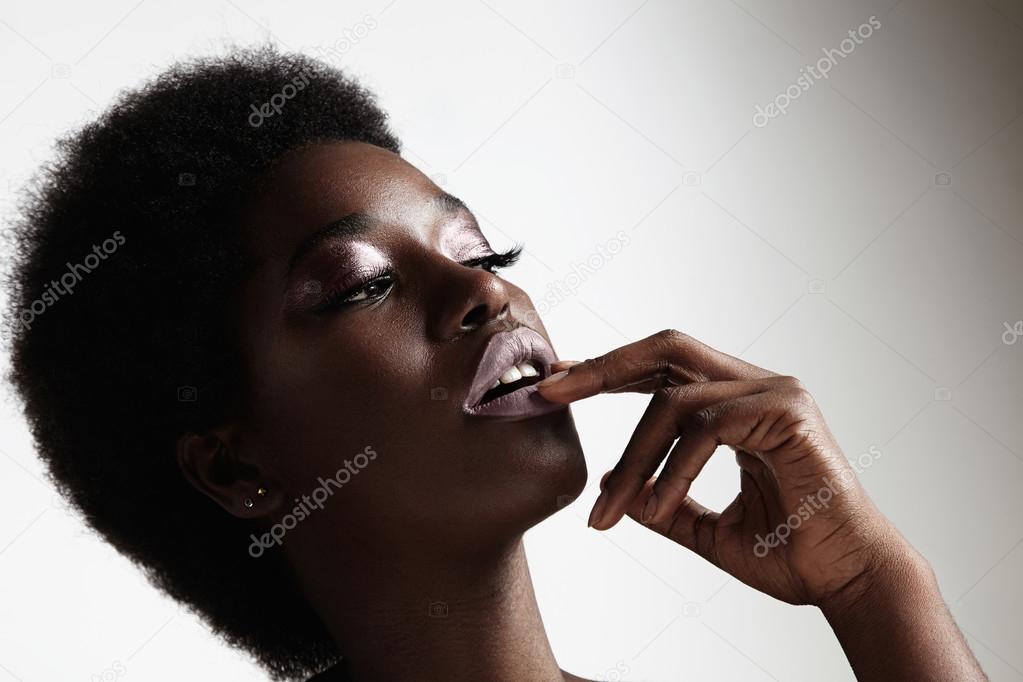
x=239 y=485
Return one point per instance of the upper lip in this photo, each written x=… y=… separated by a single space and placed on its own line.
x=505 y=350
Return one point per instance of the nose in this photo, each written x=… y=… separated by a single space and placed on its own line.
x=467 y=299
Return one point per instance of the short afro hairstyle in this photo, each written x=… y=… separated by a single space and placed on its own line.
x=126 y=255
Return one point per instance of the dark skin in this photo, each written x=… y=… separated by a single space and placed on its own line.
x=342 y=356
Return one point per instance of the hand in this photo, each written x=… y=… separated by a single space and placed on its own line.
x=801 y=529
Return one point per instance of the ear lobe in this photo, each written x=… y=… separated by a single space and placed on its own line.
x=240 y=488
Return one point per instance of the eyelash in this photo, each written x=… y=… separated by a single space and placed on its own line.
x=496 y=261
x=491 y=263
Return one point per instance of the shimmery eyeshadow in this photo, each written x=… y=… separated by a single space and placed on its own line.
x=347 y=262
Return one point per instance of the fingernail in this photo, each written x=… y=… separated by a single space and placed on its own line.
x=598 y=509
x=554 y=378
x=649 y=509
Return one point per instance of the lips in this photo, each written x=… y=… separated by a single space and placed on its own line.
x=520 y=398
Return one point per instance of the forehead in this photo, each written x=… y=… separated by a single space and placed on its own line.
x=321 y=183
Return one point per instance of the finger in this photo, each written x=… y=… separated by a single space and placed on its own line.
x=729 y=422
x=561 y=365
x=692 y=525
x=664 y=359
x=685 y=462
x=652 y=438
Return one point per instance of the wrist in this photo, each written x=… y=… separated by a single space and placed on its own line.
x=894 y=625
x=896 y=577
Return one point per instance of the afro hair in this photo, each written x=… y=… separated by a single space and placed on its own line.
x=126 y=256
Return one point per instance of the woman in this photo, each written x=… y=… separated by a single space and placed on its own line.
x=292 y=387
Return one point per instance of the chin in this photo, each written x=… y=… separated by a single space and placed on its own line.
x=549 y=469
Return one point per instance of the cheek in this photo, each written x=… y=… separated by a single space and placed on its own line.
x=322 y=402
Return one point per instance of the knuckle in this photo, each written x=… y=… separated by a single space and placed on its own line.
x=789 y=381
x=623 y=476
x=672 y=337
x=613 y=478
x=803 y=398
x=673 y=480
x=605 y=361
x=795 y=393
x=592 y=367
x=669 y=396
x=701 y=420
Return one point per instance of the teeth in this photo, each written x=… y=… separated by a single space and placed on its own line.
x=511 y=375
x=527 y=370
x=515 y=373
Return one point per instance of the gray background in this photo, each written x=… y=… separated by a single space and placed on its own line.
x=868 y=241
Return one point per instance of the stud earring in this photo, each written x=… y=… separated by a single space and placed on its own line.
x=261 y=491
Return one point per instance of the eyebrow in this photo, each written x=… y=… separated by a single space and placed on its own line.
x=449 y=203
x=357 y=223
x=347 y=226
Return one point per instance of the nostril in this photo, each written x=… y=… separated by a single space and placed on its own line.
x=475 y=317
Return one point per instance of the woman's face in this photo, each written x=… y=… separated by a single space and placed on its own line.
x=363 y=330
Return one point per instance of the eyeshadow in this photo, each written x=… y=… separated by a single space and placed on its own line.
x=331 y=268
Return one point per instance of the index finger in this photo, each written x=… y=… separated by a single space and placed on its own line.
x=663 y=359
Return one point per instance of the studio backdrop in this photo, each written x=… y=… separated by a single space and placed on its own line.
x=832 y=190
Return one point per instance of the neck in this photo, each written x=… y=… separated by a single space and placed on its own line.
x=439 y=619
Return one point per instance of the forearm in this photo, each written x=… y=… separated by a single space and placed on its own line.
x=896 y=626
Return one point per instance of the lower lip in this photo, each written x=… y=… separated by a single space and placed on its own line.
x=524 y=403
